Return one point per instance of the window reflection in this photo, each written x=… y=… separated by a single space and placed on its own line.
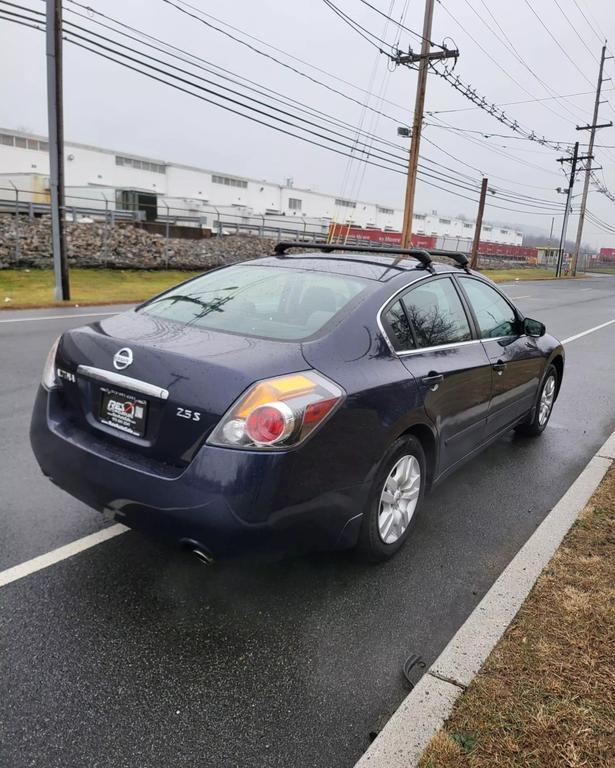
x=494 y=314
x=437 y=314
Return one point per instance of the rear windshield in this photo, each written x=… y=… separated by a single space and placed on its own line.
x=270 y=302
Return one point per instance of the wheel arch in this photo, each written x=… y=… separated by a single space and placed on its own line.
x=558 y=362
x=427 y=438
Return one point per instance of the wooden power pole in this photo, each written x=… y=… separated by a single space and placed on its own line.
x=479 y=223
x=423 y=59
x=56 y=147
x=588 y=168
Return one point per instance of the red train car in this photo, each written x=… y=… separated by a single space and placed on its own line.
x=344 y=233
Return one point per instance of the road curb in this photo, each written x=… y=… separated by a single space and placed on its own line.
x=402 y=741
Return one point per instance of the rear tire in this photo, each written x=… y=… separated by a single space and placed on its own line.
x=543 y=407
x=394 y=501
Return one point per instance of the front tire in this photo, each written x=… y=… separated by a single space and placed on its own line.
x=544 y=406
x=394 y=501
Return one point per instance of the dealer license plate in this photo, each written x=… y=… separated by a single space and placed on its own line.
x=124 y=412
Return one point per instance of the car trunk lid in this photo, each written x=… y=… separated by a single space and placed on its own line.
x=180 y=381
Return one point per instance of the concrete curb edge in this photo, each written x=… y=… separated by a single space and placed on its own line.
x=402 y=741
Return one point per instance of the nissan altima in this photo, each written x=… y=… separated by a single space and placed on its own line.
x=297 y=401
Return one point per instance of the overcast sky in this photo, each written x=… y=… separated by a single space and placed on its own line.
x=110 y=106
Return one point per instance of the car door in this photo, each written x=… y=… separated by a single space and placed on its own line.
x=516 y=359
x=449 y=365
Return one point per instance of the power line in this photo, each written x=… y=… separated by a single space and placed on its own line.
x=512 y=103
x=540 y=207
x=514 y=52
x=358 y=28
x=401 y=26
x=598 y=35
x=557 y=42
x=576 y=31
x=508 y=43
x=317 y=111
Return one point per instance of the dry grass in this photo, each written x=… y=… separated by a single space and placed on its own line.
x=546 y=696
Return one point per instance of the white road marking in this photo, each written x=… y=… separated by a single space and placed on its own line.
x=521 y=297
x=62 y=553
x=589 y=330
x=56 y=317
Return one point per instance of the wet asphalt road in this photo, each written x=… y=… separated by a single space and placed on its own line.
x=132 y=654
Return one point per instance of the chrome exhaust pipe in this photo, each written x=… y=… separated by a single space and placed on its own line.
x=196 y=548
x=202 y=557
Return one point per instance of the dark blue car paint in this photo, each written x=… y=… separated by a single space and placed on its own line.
x=238 y=502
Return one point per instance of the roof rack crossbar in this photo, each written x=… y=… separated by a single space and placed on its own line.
x=422 y=255
x=417 y=253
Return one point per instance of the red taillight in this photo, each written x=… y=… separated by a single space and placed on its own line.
x=268 y=424
x=317 y=411
x=278 y=413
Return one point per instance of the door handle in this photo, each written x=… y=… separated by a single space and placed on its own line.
x=433 y=380
x=499 y=367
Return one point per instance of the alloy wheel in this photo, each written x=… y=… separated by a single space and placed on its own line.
x=546 y=400
x=399 y=498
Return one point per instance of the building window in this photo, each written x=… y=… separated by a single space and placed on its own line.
x=419 y=216
x=467 y=226
x=487 y=229
x=345 y=203
x=141 y=165
x=387 y=211
x=294 y=203
x=503 y=231
x=23 y=143
x=229 y=181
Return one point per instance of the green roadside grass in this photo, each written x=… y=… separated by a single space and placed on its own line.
x=34 y=288
x=20 y=288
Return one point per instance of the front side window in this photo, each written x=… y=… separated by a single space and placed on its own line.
x=268 y=302
x=493 y=313
x=436 y=313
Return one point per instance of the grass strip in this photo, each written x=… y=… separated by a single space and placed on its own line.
x=21 y=288
x=546 y=695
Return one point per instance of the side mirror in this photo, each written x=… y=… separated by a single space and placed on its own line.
x=533 y=327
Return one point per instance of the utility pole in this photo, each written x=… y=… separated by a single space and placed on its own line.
x=423 y=60
x=562 y=241
x=588 y=169
x=479 y=223
x=56 y=147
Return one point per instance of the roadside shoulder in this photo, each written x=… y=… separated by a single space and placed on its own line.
x=402 y=741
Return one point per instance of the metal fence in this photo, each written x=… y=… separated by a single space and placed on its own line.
x=99 y=205
x=172 y=213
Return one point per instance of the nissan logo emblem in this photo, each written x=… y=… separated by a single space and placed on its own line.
x=122 y=358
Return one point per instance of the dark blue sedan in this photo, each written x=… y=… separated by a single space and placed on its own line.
x=293 y=402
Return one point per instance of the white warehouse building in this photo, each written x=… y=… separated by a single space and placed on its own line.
x=100 y=179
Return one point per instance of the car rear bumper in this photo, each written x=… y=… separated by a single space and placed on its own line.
x=228 y=502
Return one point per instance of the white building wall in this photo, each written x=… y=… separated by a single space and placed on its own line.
x=197 y=190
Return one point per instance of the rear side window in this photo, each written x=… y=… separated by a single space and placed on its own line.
x=398 y=327
x=436 y=313
x=268 y=302
x=494 y=314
